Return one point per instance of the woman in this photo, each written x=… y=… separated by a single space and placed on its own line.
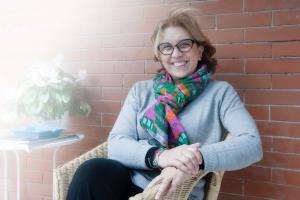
x=173 y=125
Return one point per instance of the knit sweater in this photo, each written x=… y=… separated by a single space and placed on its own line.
x=215 y=112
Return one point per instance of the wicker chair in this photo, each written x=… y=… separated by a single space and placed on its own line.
x=63 y=176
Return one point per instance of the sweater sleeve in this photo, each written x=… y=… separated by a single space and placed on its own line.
x=123 y=144
x=244 y=148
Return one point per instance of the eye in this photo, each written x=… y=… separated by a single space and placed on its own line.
x=185 y=44
x=165 y=47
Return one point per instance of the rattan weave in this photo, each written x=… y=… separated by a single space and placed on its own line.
x=63 y=176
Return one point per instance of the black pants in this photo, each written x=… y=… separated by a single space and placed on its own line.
x=102 y=179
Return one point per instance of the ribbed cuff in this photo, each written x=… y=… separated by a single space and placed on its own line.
x=210 y=157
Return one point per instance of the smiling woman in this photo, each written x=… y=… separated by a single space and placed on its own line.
x=172 y=126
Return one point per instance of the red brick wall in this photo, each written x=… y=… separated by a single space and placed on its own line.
x=258 y=50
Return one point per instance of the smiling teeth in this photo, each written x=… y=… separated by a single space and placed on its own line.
x=177 y=64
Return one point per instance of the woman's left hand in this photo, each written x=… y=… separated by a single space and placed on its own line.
x=167 y=181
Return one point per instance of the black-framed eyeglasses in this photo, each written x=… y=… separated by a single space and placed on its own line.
x=183 y=46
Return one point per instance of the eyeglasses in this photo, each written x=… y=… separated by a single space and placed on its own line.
x=183 y=46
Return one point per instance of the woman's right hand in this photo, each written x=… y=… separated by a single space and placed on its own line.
x=187 y=158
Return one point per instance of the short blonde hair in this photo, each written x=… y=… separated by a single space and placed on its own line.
x=185 y=18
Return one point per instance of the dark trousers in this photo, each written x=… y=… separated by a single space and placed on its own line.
x=102 y=179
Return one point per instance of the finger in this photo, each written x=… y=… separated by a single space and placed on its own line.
x=192 y=159
x=172 y=189
x=195 y=145
x=196 y=154
x=189 y=162
x=154 y=182
x=163 y=189
x=182 y=166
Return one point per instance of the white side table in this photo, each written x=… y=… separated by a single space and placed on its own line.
x=9 y=143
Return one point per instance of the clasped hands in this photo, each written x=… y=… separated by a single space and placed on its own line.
x=178 y=164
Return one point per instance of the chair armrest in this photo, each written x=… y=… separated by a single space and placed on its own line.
x=213 y=185
x=182 y=191
x=62 y=175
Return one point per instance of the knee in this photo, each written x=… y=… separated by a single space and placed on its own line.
x=101 y=168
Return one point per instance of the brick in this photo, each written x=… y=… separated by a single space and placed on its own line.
x=218 y=7
x=117 y=67
x=85 y=144
x=270 y=190
x=92 y=119
x=232 y=186
x=287 y=129
x=272 y=34
x=243 y=50
x=258 y=5
x=244 y=20
x=91 y=54
x=286 y=17
x=160 y=11
x=110 y=27
x=272 y=65
x=38 y=164
x=256 y=198
x=106 y=106
x=32 y=176
x=93 y=93
x=109 y=80
x=132 y=40
x=259 y=112
x=280 y=49
x=83 y=42
x=247 y=82
x=286 y=145
x=92 y=131
x=224 y=196
x=224 y=36
x=47 y=177
x=151 y=66
x=126 y=53
x=206 y=22
x=118 y=94
x=108 y=120
x=74 y=67
x=250 y=173
x=124 y=13
x=267 y=143
x=129 y=80
x=66 y=154
x=139 y=26
x=230 y=66
x=285 y=81
x=131 y=3
x=41 y=189
x=280 y=160
x=285 y=113
x=272 y=97
x=286 y=177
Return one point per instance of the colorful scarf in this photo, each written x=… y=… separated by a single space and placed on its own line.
x=160 y=120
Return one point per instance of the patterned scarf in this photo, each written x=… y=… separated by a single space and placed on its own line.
x=160 y=120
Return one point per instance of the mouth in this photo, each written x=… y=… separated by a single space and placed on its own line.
x=179 y=63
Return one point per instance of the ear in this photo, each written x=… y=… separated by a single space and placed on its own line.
x=201 y=49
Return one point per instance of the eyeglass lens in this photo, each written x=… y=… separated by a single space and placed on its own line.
x=183 y=46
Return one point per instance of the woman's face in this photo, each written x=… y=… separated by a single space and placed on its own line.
x=178 y=64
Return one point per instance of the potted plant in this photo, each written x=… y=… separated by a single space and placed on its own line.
x=47 y=93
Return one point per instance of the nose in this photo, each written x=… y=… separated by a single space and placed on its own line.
x=176 y=52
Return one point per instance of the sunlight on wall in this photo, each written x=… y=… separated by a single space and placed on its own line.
x=35 y=30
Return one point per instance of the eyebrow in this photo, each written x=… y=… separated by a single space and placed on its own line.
x=176 y=42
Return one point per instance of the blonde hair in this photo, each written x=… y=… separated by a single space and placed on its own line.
x=185 y=18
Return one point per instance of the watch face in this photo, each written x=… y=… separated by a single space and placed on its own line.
x=155 y=164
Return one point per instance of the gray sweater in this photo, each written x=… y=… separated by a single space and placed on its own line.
x=207 y=119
